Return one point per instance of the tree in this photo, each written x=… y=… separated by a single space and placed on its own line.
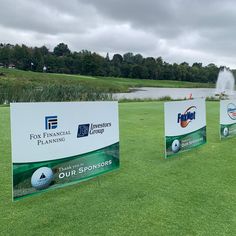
x=21 y=57
x=117 y=59
x=196 y=64
x=44 y=50
x=212 y=71
x=139 y=72
x=160 y=68
x=37 y=59
x=138 y=59
x=5 y=55
x=150 y=64
x=61 y=50
x=107 y=57
x=61 y=60
x=159 y=61
x=125 y=70
x=128 y=57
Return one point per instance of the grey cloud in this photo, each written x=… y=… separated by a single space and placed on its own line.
x=156 y=14
x=108 y=39
x=212 y=21
x=177 y=30
x=37 y=16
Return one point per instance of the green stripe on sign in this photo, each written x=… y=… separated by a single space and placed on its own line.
x=227 y=131
x=181 y=143
x=67 y=170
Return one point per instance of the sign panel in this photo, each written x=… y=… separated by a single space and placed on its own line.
x=185 y=125
x=58 y=144
x=227 y=118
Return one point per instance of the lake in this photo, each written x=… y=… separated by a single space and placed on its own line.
x=174 y=93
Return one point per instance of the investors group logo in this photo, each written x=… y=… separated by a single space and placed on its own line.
x=185 y=118
x=50 y=122
x=231 y=110
x=83 y=130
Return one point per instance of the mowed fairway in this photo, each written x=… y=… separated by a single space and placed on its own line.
x=193 y=193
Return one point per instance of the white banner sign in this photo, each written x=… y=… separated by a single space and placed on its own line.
x=227 y=118
x=185 y=125
x=72 y=141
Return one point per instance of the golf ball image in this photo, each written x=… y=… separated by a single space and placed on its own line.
x=42 y=178
x=175 y=146
x=225 y=131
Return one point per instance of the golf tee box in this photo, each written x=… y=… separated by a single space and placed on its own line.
x=227 y=118
x=56 y=144
x=185 y=125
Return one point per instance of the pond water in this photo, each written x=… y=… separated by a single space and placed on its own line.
x=174 y=93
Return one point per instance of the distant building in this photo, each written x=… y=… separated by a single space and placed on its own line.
x=11 y=66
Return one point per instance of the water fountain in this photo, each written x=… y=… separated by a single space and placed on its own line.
x=225 y=83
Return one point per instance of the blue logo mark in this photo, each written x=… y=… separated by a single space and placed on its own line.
x=50 y=122
x=83 y=130
x=231 y=110
x=185 y=118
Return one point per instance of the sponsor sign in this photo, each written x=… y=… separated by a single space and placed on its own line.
x=59 y=144
x=185 y=125
x=227 y=118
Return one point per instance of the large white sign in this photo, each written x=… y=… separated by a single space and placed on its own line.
x=65 y=142
x=185 y=125
x=227 y=118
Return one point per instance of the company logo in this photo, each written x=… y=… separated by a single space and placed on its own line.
x=42 y=176
x=231 y=110
x=50 y=122
x=83 y=130
x=185 y=118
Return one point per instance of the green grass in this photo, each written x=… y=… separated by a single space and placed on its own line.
x=27 y=86
x=104 y=84
x=193 y=193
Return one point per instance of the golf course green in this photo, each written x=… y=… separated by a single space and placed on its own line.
x=27 y=86
x=193 y=193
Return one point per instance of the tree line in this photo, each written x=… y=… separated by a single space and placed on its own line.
x=129 y=65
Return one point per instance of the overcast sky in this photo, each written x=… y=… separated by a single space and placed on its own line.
x=177 y=30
